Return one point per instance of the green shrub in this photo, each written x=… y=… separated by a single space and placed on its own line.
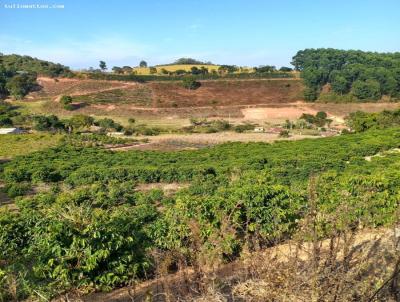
x=244 y=127
x=17 y=189
x=190 y=83
x=69 y=107
x=66 y=99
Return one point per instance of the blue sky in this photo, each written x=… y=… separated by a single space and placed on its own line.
x=241 y=32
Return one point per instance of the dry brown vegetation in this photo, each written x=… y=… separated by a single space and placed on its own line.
x=227 y=93
x=349 y=266
x=172 y=94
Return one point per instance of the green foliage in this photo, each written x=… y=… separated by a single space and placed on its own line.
x=285 y=69
x=227 y=68
x=153 y=70
x=92 y=229
x=362 y=121
x=102 y=65
x=266 y=68
x=81 y=121
x=227 y=218
x=66 y=99
x=356 y=201
x=205 y=126
x=310 y=94
x=47 y=123
x=16 y=63
x=364 y=90
x=178 y=76
x=366 y=75
x=197 y=71
x=340 y=84
x=142 y=130
x=7 y=114
x=17 y=189
x=244 y=127
x=190 y=61
x=320 y=119
x=69 y=107
x=143 y=64
x=117 y=70
x=190 y=83
x=108 y=124
x=18 y=74
x=92 y=139
x=20 y=85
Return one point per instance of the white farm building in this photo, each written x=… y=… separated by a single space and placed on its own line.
x=10 y=131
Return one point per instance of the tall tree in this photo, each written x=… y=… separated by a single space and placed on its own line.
x=102 y=65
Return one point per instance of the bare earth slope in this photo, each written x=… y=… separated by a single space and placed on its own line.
x=258 y=100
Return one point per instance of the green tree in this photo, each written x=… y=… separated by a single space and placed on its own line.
x=47 y=123
x=194 y=70
x=127 y=69
x=190 y=83
x=102 y=65
x=117 y=70
x=20 y=85
x=364 y=90
x=66 y=99
x=340 y=84
x=310 y=94
x=81 y=121
x=143 y=64
x=265 y=68
x=109 y=124
x=285 y=69
x=164 y=71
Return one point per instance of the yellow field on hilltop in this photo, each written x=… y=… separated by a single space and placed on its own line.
x=186 y=67
x=175 y=67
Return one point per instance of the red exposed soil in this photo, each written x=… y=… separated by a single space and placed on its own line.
x=227 y=93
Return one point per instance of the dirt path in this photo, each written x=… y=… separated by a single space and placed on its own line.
x=198 y=140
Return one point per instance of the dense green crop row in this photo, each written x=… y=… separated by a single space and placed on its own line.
x=287 y=161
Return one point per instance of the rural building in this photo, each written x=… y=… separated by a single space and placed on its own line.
x=276 y=130
x=258 y=129
x=10 y=131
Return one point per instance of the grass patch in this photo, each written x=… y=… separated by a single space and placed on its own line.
x=22 y=144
